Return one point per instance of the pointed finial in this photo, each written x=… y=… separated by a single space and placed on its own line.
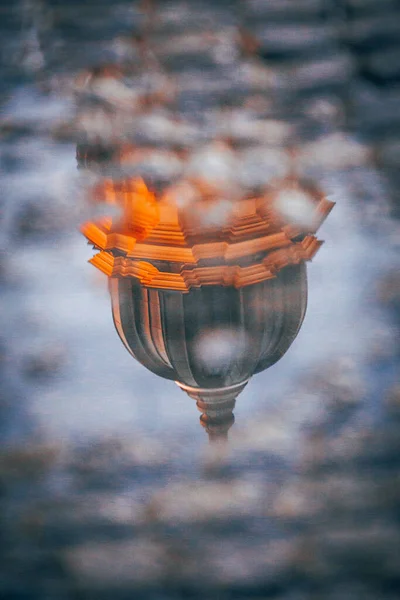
x=216 y=406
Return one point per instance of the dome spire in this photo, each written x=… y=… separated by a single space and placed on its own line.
x=216 y=406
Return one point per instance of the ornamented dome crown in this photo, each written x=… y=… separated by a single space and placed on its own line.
x=205 y=251
x=207 y=302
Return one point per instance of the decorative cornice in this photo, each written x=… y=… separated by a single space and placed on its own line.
x=166 y=246
x=224 y=274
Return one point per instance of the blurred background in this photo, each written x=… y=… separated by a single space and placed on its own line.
x=107 y=485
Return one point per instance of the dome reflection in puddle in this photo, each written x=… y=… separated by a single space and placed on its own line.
x=206 y=302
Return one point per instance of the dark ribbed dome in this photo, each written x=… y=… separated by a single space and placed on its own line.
x=213 y=336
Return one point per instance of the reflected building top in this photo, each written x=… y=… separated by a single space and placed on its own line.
x=206 y=265
x=206 y=291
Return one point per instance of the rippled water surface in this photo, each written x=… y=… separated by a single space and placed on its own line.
x=107 y=485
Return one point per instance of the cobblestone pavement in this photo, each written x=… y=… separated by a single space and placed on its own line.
x=107 y=487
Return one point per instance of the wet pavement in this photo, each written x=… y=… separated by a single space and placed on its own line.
x=107 y=485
